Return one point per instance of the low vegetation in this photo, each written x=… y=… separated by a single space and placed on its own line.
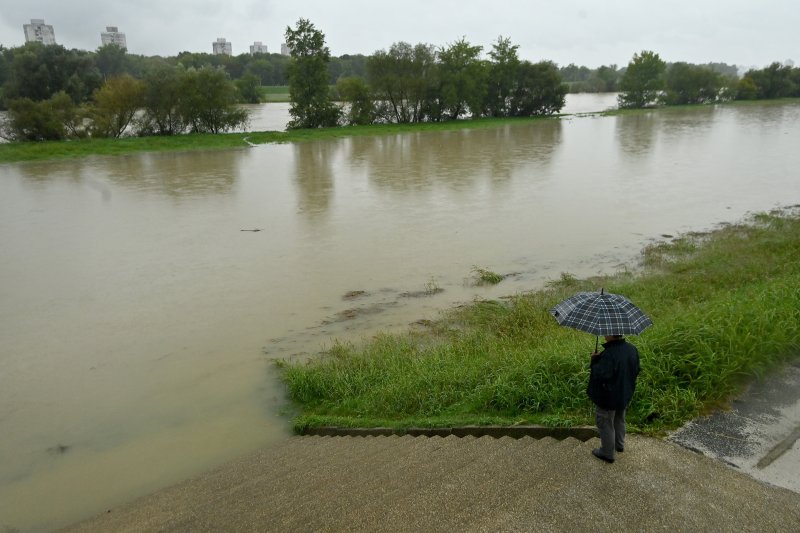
x=50 y=150
x=725 y=307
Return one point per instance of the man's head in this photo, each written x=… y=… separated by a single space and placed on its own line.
x=610 y=338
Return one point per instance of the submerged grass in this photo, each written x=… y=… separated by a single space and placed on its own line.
x=725 y=307
x=50 y=150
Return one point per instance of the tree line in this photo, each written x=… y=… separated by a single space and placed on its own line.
x=54 y=93
x=648 y=81
x=418 y=83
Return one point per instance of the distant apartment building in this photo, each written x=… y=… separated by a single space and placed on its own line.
x=258 y=48
x=113 y=36
x=38 y=31
x=285 y=50
x=222 y=47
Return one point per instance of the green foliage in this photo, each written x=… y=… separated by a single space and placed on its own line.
x=775 y=81
x=38 y=72
x=486 y=277
x=502 y=77
x=55 y=119
x=538 y=91
x=725 y=306
x=692 y=84
x=111 y=60
x=402 y=81
x=355 y=93
x=462 y=79
x=115 y=105
x=162 y=94
x=207 y=102
x=249 y=87
x=643 y=80
x=308 y=78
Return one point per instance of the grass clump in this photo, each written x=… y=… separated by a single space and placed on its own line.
x=725 y=307
x=486 y=277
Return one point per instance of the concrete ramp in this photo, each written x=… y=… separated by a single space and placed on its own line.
x=395 y=483
x=409 y=483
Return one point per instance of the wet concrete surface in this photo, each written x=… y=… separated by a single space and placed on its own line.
x=759 y=434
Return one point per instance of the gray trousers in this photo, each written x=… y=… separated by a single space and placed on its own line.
x=611 y=425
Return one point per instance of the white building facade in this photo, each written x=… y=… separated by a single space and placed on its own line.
x=38 y=31
x=113 y=36
x=285 y=50
x=222 y=47
x=258 y=48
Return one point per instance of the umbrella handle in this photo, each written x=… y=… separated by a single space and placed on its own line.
x=596 y=343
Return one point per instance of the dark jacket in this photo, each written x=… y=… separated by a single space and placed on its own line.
x=613 y=373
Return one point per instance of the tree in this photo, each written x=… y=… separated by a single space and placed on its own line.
x=606 y=76
x=355 y=92
x=161 y=101
x=403 y=80
x=539 y=90
x=692 y=84
x=38 y=72
x=111 y=60
x=48 y=120
x=502 y=77
x=115 y=105
x=643 y=80
x=746 y=89
x=262 y=69
x=248 y=86
x=774 y=81
x=208 y=101
x=462 y=79
x=308 y=78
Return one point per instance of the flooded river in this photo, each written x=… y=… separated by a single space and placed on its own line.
x=139 y=314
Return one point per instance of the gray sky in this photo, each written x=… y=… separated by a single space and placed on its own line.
x=584 y=32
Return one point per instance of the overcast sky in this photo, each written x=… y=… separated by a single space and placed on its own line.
x=584 y=32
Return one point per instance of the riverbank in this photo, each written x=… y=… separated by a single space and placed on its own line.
x=725 y=307
x=55 y=150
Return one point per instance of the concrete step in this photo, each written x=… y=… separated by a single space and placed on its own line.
x=340 y=478
x=414 y=495
x=376 y=480
x=473 y=484
x=312 y=471
x=385 y=482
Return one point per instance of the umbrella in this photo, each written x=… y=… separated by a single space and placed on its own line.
x=601 y=313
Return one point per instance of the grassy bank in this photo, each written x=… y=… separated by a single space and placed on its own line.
x=52 y=150
x=725 y=306
x=274 y=93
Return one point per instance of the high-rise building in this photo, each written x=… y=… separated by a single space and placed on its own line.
x=285 y=50
x=222 y=47
x=258 y=48
x=38 y=31
x=113 y=36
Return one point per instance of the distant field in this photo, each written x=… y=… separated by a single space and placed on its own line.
x=275 y=93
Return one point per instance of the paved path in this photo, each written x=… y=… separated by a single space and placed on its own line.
x=760 y=434
x=462 y=484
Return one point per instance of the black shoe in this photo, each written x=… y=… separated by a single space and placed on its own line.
x=620 y=450
x=596 y=453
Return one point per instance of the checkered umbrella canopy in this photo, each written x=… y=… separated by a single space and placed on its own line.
x=601 y=313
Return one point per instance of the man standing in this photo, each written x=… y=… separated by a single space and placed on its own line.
x=612 y=380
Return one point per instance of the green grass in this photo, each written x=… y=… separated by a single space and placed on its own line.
x=274 y=93
x=725 y=307
x=486 y=277
x=52 y=150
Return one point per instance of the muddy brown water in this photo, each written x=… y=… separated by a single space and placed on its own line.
x=138 y=320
